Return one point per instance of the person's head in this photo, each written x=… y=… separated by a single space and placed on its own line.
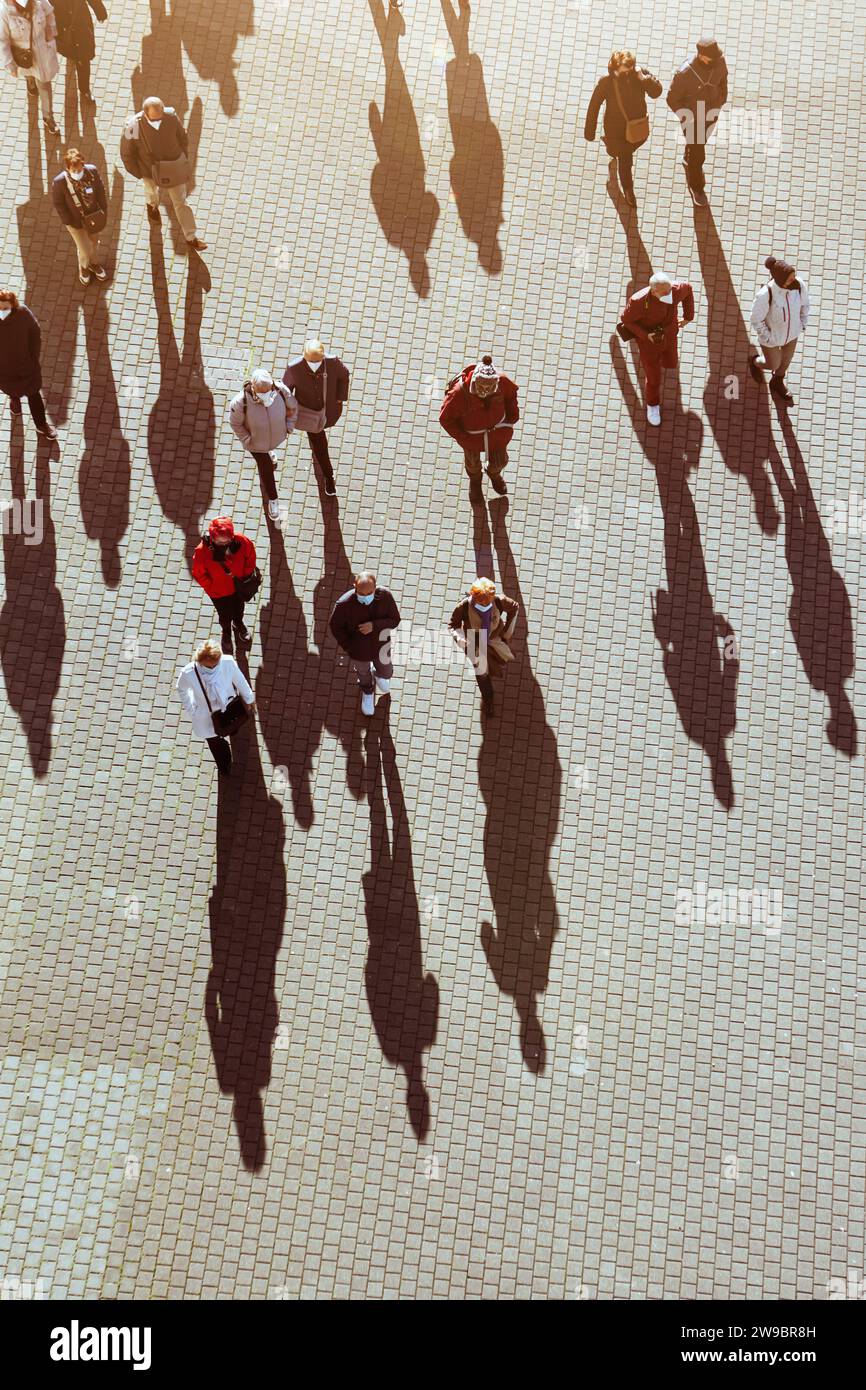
x=74 y=161
x=782 y=272
x=262 y=382
x=8 y=302
x=314 y=350
x=153 y=108
x=622 y=62
x=482 y=592
x=209 y=654
x=365 y=584
x=485 y=378
x=708 y=51
x=221 y=530
x=661 y=285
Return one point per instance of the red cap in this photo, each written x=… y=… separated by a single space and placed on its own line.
x=222 y=526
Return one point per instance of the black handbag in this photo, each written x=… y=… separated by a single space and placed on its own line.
x=23 y=57
x=248 y=586
x=624 y=332
x=226 y=721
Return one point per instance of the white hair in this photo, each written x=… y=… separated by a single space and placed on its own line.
x=660 y=278
x=314 y=345
x=261 y=378
x=153 y=101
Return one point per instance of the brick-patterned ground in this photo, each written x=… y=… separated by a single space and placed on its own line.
x=406 y=1010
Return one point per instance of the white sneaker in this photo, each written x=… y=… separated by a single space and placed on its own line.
x=368 y=702
x=654 y=414
x=384 y=686
x=274 y=509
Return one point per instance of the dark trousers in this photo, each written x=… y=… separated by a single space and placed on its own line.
x=37 y=408
x=485 y=685
x=625 y=166
x=222 y=753
x=694 y=159
x=267 y=475
x=319 y=446
x=229 y=610
x=366 y=671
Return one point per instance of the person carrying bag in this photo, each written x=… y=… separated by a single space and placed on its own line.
x=79 y=198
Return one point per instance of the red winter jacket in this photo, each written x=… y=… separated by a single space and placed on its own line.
x=644 y=311
x=465 y=416
x=217 y=577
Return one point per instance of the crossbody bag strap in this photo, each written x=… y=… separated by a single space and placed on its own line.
x=73 y=189
x=619 y=101
x=203 y=691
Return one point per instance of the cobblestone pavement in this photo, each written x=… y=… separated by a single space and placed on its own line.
x=417 y=1009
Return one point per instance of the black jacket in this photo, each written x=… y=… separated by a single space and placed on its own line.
x=75 y=37
x=139 y=152
x=307 y=385
x=349 y=614
x=633 y=91
x=67 y=207
x=20 y=346
x=696 y=82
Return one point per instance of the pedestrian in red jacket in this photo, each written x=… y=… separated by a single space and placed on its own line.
x=652 y=316
x=479 y=410
x=224 y=564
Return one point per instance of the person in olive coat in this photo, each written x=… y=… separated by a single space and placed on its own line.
x=76 y=39
x=20 y=366
x=623 y=92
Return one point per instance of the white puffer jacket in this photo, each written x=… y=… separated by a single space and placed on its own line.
x=778 y=315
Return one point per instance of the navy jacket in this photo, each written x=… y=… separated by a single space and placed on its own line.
x=67 y=208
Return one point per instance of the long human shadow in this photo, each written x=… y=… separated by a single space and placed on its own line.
x=181 y=429
x=160 y=73
x=32 y=619
x=820 y=610
x=520 y=778
x=478 y=165
x=337 y=689
x=699 y=648
x=403 y=999
x=738 y=410
x=52 y=290
x=209 y=31
x=407 y=210
x=247 y=911
x=105 y=472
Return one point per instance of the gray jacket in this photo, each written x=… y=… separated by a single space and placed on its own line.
x=261 y=428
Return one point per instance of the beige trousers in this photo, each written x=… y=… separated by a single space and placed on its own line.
x=778 y=358
x=85 y=246
x=179 y=203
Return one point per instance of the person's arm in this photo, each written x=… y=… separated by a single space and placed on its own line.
x=182 y=136
x=339 y=626
x=723 y=86
x=248 y=555
x=201 y=569
x=186 y=693
x=805 y=306
x=759 y=315
x=100 y=191
x=291 y=404
x=631 y=318
x=242 y=685
x=677 y=92
x=510 y=608
x=688 y=303
x=58 y=198
x=237 y=421
x=50 y=23
x=342 y=381
x=34 y=335
x=650 y=83
x=449 y=419
x=512 y=409
x=457 y=625
x=590 y=125
x=390 y=618
x=130 y=153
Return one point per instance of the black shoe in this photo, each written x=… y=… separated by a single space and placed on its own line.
x=498 y=484
x=330 y=487
x=14 y=407
x=778 y=388
x=153 y=214
x=47 y=430
x=756 y=372
x=476 y=492
x=242 y=633
x=228 y=649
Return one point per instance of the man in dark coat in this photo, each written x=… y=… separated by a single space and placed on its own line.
x=623 y=92
x=319 y=381
x=20 y=367
x=362 y=622
x=76 y=40
x=155 y=136
x=697 y=94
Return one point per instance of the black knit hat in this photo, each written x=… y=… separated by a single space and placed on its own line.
x=708 y=48
x=780 y=270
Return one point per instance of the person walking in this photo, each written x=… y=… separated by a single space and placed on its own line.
x=362 y=622
x=28 y=48
x=218 y=698
x=263 y=416
x=320 y=383
x=482 y=626
x=697 y=93
x=155 y=149
x=224 y=564
x=20 y=365
x=76 y=39
x=623 y=93
x=652 y=317
x=779 y=315
x=78 y=194
x=479 y=411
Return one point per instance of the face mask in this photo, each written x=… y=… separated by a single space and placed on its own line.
x=76 y=176
x=267 y=397
x=483 y=607
x=364 y=598
x=4 y=313
x=314 y=366
x=156 y=124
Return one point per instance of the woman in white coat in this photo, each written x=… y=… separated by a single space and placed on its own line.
x=779 y=315
x=208 y=683
x=28 y=48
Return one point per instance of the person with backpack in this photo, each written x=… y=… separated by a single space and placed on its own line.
x=263 y=416
x=224 y=564
x=779 y=315
x=479 y=411
x=482 y=626
x=652 y=317
x=623 y=93
x=28 y=48
x=696 y=95
x=78 y=194
x=155 y=149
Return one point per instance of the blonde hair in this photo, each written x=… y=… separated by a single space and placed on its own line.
x=482 y=588
x=209 y=649
x=619 y=57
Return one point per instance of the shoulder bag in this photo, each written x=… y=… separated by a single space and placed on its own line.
x=627 y=333
x=248 y=585
x=168 y=173
x=225 y=721
x=637 y=129
x=23 y=57
x=313 y=421
x=93 y=222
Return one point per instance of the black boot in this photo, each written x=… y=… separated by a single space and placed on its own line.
x=227 y=647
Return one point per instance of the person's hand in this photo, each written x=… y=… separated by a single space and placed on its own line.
x=365 y=628
x=251 y=705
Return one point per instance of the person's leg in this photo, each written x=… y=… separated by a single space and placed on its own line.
x=238 y=623
x=37 y=410
x=221 y=750
x=472 y=464
x=82 y=72
x=46 y=99
x=785 y=355
x=84 y=248
x=496 y=462
x=485 y=685
x=363 y=673
x=384 y=670
x=625 y=167
x=321 y=454
x=770 y=358
x=225 y=608
x=184 y=211
x=151 y=198
x=15 y=405
x=267 y=475
x=652 y=366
